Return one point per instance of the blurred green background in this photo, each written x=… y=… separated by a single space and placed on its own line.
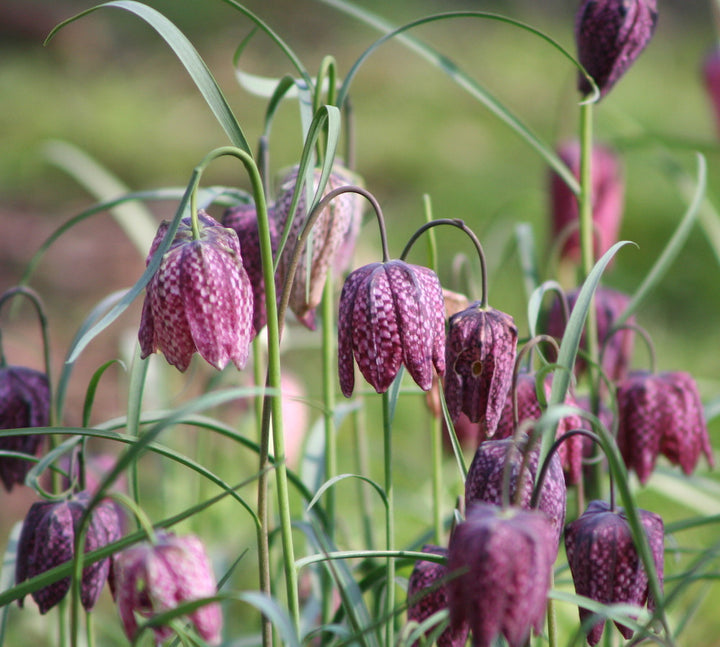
x=110 y=86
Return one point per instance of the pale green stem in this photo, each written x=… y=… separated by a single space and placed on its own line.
x=89 y=629
x=390 y=529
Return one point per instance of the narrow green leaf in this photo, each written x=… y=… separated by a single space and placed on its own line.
x=341 y=477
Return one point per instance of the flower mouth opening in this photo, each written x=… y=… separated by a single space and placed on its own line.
x=476 y=368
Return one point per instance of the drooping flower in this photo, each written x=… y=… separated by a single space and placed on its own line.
x=604 y=561
x=661 y=414
x=503 y=559
x=149 y=579
x=711 y=80
x=427 y=594
x=200 y=299
x=479 y=357
x=607 y=191
x=484 y=482
x=333 y=238
x=243 y=220
x=24 y=402
x=610 y=35
x=47 y=539
x=390 y=314
x=616 y=348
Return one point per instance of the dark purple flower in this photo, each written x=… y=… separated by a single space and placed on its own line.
x=607 y=190
x=661 y=414
x=616 y=348
x=500 y=563
x=480 y=357
x=427 y=594
x=47 y=540
x=24 y=402
x=711 y=79
x=153 y=578
x=390 y=314
x=604 y=561
x=200 y=299
x=333 y=239
x=484 y=480
x=243 y=220
x=610 y=35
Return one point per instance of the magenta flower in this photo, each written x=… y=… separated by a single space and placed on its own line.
x=480 y=357
x=200 y=299
x=610 y=35
x=503 y=559
x=24 y=402
x=607 y=190
x=153 y=578
x=390 y=314
x=604 y=561
x=47 y=539
x=661 y=414
x=711 y=80
x=427 y=594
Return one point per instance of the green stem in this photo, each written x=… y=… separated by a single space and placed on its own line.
x=390 y=526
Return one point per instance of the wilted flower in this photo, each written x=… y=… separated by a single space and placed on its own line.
x=200 y=299
x=485 y=478
x=149 y=579
x=333 y=238
x=390 y=314
x=427 y=594
x=24 y=402
x=617 y=348
x=711 y=79
x=604 y=561
x=661 y=414
x=607 y=189
x=610 y=35
x=479 y=356
x=47 y=540
x=243 y=220
x=503 y=560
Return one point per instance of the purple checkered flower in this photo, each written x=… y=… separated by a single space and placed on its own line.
x=427 y=594
x=24 y=402
x=391 y=314
x=604 y=561
x=480 y=357
x=661 y=414
x=47 y=539
x=610 y=35
x=153 y=578
x=200 y=299
x=500 y=563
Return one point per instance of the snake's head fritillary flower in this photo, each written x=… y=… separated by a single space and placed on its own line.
x=604 y=561
x=607 y=190
x=503 y=559
x=484 y=482
x=333 y=238
x=390 y=314
x=149 y=579
x=661 y=414
x=47 y=539
x=24 y=402
x=243 y=220
x=479 y=358
x=610 y=35
x=200 y=299
x=711 y=80
x=427 y=594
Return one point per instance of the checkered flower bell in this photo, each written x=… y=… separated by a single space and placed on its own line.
x=504 y=560
x=604 y=561
x=661 y=414
x=200 y=299
x=485 y=477
x=480 y=356
x=610 y=35
x=333 y=239
x=47 y=539
x=149 y=579
x=390 y=314
x=24 y=402
x=427 y=594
